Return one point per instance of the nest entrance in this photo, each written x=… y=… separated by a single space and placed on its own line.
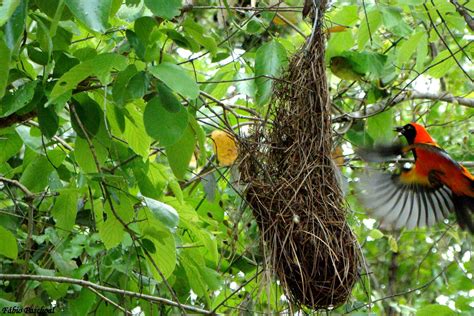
x=293 y=188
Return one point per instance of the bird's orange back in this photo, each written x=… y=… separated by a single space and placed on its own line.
x=451 y=173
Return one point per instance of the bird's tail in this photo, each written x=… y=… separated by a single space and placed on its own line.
x=464 y=208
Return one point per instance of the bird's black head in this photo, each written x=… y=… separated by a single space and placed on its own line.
x=409 y=131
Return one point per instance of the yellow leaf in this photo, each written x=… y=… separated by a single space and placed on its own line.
x=337 y=29
x=225 y=147
x=392 y=242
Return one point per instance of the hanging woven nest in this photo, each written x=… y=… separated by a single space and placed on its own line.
x=293 y=189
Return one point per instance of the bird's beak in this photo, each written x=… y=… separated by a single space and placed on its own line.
x=398 y=129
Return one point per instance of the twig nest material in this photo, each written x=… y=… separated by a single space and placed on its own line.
x=293 y=190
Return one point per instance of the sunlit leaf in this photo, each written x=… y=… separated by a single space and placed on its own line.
x=269 y=61
x=94 y=14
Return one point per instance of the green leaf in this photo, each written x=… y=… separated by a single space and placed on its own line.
x=163 y=240
x=375 y=234
x=6 y=10
x=8 y=246
x=270 y=59
x=165 y=117
x=198 y=33
x=219 y=83
x=380 y=127
x=89 y=113
x=180 y=153
x=135 y=133
x=48 y=120
x=17 y=100
x=35 y=176
x=94 y=14
x=201 y=139
x=84 y=156
x=163 y=212
x=393 y=21
x=65 y=210
x=83 y=303
x=10 y=144
x=16 y=25
x=368 y=27
x=111 y=231
x=176 y=78
x=119 y=90
x=346 y=15
x=435 y=309
x=392 y=242
x=151 y=179
x=408 y=47
x=4 y=66
x=421 y=52
x=166 y=9
x=338 y=43
x=100 y=66
x=441 y=64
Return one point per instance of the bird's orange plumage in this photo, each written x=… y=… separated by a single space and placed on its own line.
x=450 y=173
x=424 y=194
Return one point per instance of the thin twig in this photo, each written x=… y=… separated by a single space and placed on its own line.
x=108 y=300
x=28 y=194
x=98 y=287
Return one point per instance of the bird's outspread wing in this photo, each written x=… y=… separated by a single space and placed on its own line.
x=401 y=204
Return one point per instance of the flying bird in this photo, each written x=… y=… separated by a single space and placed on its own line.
x=423 y=194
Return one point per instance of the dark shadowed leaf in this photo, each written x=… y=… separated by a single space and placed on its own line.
x=48 y=120
x=89 y=113
x=165 y=118
x=180 y=153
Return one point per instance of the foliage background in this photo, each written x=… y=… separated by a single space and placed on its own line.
x=108 y=174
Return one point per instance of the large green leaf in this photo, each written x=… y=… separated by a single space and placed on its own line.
x=16 y=25
x=380 y=127
x=6 y=10
x=35 y=176
x=408 y=47
x=165 y=118
x=100 y=66
x=269 y=61
x=4 y=66
x=180 y=153
x=65 y=210
x=48 y=120
x=442 y=63
x=368 y=27
x=10 y=144
x=134 y=132
x=167 y=9
x=435 y=309
x=164 y=255
x=89 y=113
x=17 y=100
x=163 y=212
x=94 y=14
x=8 y=246
x=176 y=78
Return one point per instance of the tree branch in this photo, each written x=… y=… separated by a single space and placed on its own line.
x=28 y=194
x=404 y=96
x=16 y=118
x=463 y=12
x=98 y=287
